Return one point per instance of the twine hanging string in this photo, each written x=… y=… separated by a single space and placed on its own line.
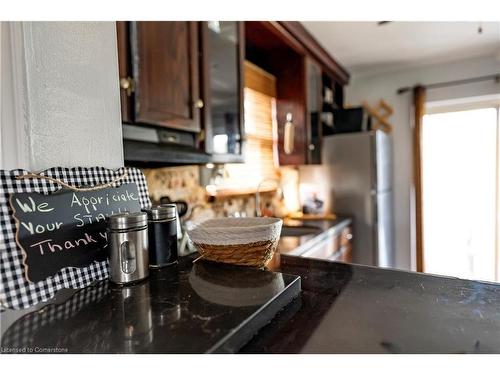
x=74 y=188
x=200 y=257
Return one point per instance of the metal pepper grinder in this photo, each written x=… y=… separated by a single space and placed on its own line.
x=162 y=229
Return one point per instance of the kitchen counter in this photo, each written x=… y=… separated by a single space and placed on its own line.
x=342 y=308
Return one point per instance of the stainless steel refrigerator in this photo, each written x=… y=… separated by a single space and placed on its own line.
x=359 y=172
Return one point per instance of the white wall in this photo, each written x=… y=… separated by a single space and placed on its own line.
x=59 y=101
x=60 y=95
x=384 y=86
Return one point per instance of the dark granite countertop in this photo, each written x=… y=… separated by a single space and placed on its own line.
x=201 y=307
x=347 y=308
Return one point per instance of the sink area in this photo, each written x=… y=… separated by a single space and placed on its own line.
x=320 y=238
x=298 y=230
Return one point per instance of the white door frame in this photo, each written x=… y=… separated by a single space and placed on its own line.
x=14 y=137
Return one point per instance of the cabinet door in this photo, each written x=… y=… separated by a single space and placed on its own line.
x=222 y=46
x=314 y=103
x=165 y=65
x=291 y=110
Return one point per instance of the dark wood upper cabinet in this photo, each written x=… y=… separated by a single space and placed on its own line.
x=222 y=51
x=299 y=63
x=165 y=66
x=187 y=77
x=268 y=48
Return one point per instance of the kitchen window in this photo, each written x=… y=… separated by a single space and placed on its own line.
x=460 y=191
x=260 y=128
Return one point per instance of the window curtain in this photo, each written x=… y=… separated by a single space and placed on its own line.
x=419 y=95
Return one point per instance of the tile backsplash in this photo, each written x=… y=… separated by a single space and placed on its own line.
x=184 y=183
x=178 y=183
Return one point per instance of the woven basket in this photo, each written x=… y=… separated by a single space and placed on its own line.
x=241 y=241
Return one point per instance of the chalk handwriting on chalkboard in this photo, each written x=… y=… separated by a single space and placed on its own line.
x=67 y=228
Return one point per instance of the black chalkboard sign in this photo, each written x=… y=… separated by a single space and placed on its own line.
x=67 y=228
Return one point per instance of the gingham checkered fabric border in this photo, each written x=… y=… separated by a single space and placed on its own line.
x=15 y=291
x=21 y=333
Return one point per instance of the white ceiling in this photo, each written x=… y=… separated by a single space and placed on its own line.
x=365 y=47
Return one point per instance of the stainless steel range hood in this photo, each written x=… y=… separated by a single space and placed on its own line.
x=145 y=145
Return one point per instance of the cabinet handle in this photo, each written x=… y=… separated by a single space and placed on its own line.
x=312 y=147
x=127 y=84
x=201 y=136
x=199 y=104
x=288 y=139
x=172 y=138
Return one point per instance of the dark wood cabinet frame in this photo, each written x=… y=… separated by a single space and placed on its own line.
x=125 y=69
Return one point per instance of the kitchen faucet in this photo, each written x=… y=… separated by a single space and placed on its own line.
x=258 y=211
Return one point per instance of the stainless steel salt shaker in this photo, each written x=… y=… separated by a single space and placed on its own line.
x=128 y=247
